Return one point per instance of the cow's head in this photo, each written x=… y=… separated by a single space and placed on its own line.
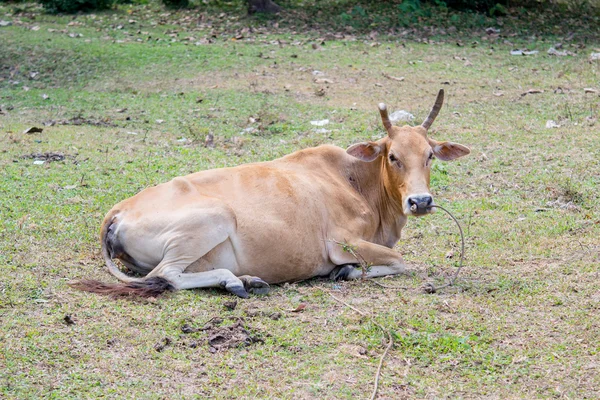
x=407 y=156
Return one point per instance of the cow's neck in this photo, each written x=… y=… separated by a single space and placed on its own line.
x=371 y=180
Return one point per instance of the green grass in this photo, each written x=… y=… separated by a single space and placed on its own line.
x=523 y=319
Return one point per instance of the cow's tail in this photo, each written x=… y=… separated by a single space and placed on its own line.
x=144 y=287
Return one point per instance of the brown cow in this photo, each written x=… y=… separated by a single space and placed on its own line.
x=244 y=227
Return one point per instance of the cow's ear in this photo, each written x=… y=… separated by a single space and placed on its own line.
x=447 y=151
x=366 y=151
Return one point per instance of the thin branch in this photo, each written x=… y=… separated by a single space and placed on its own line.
x=364 y=265
x=387 y=348
x=429 y=287
x=389 y=287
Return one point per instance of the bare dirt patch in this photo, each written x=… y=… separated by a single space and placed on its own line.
x=226 y=337
x=78 y=121
x=47 y=156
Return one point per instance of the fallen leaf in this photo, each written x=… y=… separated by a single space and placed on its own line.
x=275 y=316
x=230 y=305
x=553 y=52
x=590 y=90
x=160 y=346
x=33 y=129
x=22 y=220
x=532 y=91
x=188 y=329
x=551 y=124
x=209 y=141
x=523 y=52
x=300 y=308
x=394 y=78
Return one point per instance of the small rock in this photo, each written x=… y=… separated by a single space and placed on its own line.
x=401 y=115
x=322 y=122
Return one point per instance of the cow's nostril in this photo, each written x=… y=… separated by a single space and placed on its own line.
x=428 y=200
x=412 y=204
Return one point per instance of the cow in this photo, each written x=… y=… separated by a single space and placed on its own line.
x=290 y=219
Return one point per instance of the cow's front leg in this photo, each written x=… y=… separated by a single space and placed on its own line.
x=380 y=260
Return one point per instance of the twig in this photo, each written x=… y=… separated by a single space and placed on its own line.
x=389 y=287
x=364 y=265
x=387 y=348
x=429 y=287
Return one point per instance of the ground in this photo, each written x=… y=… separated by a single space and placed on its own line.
x=130 y=98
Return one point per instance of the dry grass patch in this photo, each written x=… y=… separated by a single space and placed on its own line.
x=521 y=322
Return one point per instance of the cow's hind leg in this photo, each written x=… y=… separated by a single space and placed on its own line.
x=217 y=278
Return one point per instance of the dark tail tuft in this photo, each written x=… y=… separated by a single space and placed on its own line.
x=150 y=287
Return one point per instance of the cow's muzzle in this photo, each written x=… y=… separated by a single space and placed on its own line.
x=419 y=204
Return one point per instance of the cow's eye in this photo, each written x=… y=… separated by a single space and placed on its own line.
x=393 y=158
x=429 y=159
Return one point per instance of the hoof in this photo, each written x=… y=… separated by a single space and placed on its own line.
x=257 y=286
x=237 y=289
x=341 y=272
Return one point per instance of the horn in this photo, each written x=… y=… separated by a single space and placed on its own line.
x=387 y=124
x=435 y=110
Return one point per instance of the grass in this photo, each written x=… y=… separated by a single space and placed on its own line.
x=523 y=320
